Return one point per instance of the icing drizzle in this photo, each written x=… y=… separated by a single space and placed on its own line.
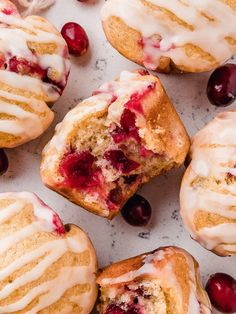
x=35 y=6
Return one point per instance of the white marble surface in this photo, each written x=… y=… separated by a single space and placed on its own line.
x=117 y=240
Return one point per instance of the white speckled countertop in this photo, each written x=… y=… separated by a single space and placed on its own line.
x=117 y=240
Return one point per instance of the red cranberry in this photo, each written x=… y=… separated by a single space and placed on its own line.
x=221 y=89
x=143 y=72
x=76 y=38
x=137 y=211
x=4 y=164
x=59 y=227
x=221 y=289
x=23 y=67
x=135 y=102
x=116 y=309
x=127 y=129
x=120 y=162
x=77 y=168
x=115 y=196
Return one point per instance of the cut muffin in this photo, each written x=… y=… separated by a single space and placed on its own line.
x=208 y=190
x=113 y=142
x=34 y=68
x=45 y=267
x=165 y=281
x=172 y=36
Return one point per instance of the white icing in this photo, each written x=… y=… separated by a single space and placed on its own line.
x=50 y=252
x=167 y=278
x=15 y=36
x=213 y=159
x=35 y=6
x=174 y=36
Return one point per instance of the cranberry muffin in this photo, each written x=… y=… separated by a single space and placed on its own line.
x=113 y=142
x=172 y=36
x=208 y=190
x=45 y=267
x=163 y=281
x=34 y=68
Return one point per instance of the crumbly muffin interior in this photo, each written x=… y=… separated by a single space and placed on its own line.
x=106 y=161
x=146 y=297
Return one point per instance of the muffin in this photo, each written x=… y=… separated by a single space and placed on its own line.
x=113 y=142
x=34 y=68
x=45 y=267
x=208 y=190
x=172 y=36
x=163 y=281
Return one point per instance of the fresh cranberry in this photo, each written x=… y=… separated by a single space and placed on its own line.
x=23 y=67
x=137 y=211
x=221 y=289
x=120 y=162
x=59 y=227
x=76 y=38
x=4 y=164
x=78 y=170
x=221 y=88
x=128 y=128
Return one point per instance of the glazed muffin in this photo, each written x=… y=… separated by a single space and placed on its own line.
x=34 y=68
x=45 y=267
x=208 y=190
x=165 y=281
x=113 y=142
x=172 y=36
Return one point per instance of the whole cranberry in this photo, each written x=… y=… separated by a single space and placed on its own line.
x=76 y=38
x=221 y=88
x=221 y=289
x=137 y=211
x=4 y=164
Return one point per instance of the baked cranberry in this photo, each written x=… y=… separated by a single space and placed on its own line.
x=221 y=88
x=137 y=211
x=221 y=289
x=130 y=179
x=143 y=72
x=25 y=67
x=76 y=38
x=78 y=170
x=4 y=164
x=135 y=102
x=115 y=196
x=116 y=309
x=59 y=227
x=128 y=128
x=120 y=162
